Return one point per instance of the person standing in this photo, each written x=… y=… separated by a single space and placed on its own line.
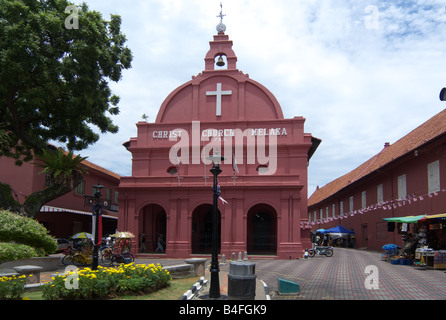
x=161 y=244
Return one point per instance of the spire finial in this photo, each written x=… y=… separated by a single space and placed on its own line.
x=221 y=28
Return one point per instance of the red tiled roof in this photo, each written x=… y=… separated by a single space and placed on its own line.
x=429 y=130
x=91 y=165
x=101 y=169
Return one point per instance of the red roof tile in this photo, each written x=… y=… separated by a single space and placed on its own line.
x=426 y=132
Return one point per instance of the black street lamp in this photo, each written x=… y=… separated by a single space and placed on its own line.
x=97 y=212
x=214 y=290
x=443 y=94
x=96 y=202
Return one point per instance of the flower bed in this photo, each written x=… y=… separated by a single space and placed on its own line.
x=12 y=288
x=107 y=282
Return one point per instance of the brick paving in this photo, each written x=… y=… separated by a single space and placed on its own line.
x=343 y=276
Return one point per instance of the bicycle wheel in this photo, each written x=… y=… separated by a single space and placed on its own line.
x=68 y=259
x=79 y=260
x=128 y=257
x=107 y=255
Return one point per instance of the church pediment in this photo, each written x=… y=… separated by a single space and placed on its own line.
x=220 y=96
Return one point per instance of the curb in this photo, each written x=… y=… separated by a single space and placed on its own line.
x=194 y=290
x=266 y=288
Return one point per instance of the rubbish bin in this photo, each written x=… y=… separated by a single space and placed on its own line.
x=241 y=281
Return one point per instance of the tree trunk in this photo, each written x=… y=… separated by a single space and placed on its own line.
x=35 y=201
x=7 y=201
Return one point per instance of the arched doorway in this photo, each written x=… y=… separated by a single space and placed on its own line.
x=202 y=229
x=262 y=230
x=153 y=226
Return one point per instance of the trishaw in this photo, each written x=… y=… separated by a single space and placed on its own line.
x=120 y=250
x=82 y=256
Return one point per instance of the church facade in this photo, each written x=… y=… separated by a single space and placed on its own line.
x=263 y=204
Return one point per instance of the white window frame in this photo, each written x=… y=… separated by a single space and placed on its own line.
x=433 y=177
x=363 y=199
x=402 y=187
x=380 y=193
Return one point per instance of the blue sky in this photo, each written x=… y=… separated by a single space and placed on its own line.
x=361 y=72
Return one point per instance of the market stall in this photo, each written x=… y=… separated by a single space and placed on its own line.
x=424 y=241
x=337 y=236
x=434 y=250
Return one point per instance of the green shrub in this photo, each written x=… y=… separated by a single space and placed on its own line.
x=16 y=251
x=27 y=231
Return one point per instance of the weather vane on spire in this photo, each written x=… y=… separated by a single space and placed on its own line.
x=221 y=15
x=221 y=27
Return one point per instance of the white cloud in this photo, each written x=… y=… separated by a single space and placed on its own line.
x=357 y=86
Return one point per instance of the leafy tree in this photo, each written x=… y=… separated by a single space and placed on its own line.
x=54 y=85
x=54 y=80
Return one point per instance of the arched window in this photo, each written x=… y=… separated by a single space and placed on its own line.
x=262 y=169
x=172 y=170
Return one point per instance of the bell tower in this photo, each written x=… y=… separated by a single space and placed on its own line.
x=221 y=46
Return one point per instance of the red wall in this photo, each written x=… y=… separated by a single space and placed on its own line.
x=370 y=228
x=26 y=179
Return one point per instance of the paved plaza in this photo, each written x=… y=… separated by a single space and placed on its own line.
x=344 y=277
x=341 y=277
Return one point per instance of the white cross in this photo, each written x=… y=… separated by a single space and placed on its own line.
x=218 y=93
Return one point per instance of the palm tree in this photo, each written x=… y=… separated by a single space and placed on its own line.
x=64 y=172
x=61 y=168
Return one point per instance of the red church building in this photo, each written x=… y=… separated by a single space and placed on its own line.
x=264 y=175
